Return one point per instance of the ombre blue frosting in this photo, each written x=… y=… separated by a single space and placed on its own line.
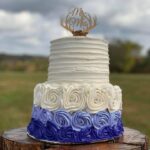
x=78 y=127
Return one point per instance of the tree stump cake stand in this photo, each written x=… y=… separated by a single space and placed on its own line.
x=17 y=139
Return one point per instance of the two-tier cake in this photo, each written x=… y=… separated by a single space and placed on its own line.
x=77 y=104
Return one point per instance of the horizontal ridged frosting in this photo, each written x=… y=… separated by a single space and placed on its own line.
x=79 y=59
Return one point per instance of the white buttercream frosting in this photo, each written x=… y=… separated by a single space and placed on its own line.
x=74 y=97
x=78 y=77
x=79 y=59
x=38 y=94
x=116 y=102
x=97 y=100
x=52 y=97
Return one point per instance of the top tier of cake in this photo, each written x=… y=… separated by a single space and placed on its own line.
x=79 y=59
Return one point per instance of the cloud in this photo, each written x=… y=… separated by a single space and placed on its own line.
x=27 y=32
x=37 y=6
x=27 y=26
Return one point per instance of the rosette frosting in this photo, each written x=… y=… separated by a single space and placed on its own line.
x=116 y=123
x=66 y=134
x=36 y=128
x=38 y=94
x=115 y=117
x=81 y=120
x=79 y=127
x=52 y=97
x=36 y=111
x=45 y=116
x=74 y=98
x=51 y=131
x=101 y=119
x=115 y=103
x=41 y=114
x=97 y=100
x=104 y=133
x=62 y=118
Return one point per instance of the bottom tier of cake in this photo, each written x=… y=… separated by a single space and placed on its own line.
x=77 y=127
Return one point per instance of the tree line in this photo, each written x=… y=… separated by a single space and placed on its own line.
x=23 y=63
x=125 y=57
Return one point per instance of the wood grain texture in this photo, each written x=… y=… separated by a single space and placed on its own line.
x=17 y=139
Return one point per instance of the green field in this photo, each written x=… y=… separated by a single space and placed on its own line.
x=16 y=90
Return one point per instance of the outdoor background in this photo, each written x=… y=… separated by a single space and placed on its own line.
x=28 y=26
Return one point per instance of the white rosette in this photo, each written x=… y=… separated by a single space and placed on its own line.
x=109 y=89
x=97 y=99
x=38 y=94
x=116 y=102
x=73 y=98
x=52 y=97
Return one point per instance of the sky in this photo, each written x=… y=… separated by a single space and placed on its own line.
x=28 y=26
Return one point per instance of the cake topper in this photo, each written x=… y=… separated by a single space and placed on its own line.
x=78 y=22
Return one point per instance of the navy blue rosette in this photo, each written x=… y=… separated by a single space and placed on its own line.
x=67 y=135
x=104 y=133
x=87 y=135
x=78 y=127
x=36 y=129
x=51 y=131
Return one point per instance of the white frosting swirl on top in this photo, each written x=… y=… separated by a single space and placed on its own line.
x=79 y=59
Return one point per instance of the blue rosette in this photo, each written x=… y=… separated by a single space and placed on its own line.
x=81 y=121
x=67 y=134
x=104 y=133
x=45 y=116
x=116 y=123
x=36 y=111
x=36 y=128
x=51 y=131
x=62 y=119
x=78 y=127
x=101 y=119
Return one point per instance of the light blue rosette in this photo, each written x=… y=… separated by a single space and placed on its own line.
x=81 y=120
x=115 y=117
x=36 y=111
x=45 y=116
x=101 y=119
x=62 y=118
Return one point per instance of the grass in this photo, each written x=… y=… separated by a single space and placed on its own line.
x=136 y=100
x=16 y=97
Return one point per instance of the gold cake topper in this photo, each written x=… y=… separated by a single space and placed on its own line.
x=78 y=22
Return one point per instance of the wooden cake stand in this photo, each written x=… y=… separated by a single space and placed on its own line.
x=17 y=139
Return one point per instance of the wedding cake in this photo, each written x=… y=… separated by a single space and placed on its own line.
x=77 y=104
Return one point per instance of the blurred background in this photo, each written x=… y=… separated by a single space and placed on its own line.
x=28 y=26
